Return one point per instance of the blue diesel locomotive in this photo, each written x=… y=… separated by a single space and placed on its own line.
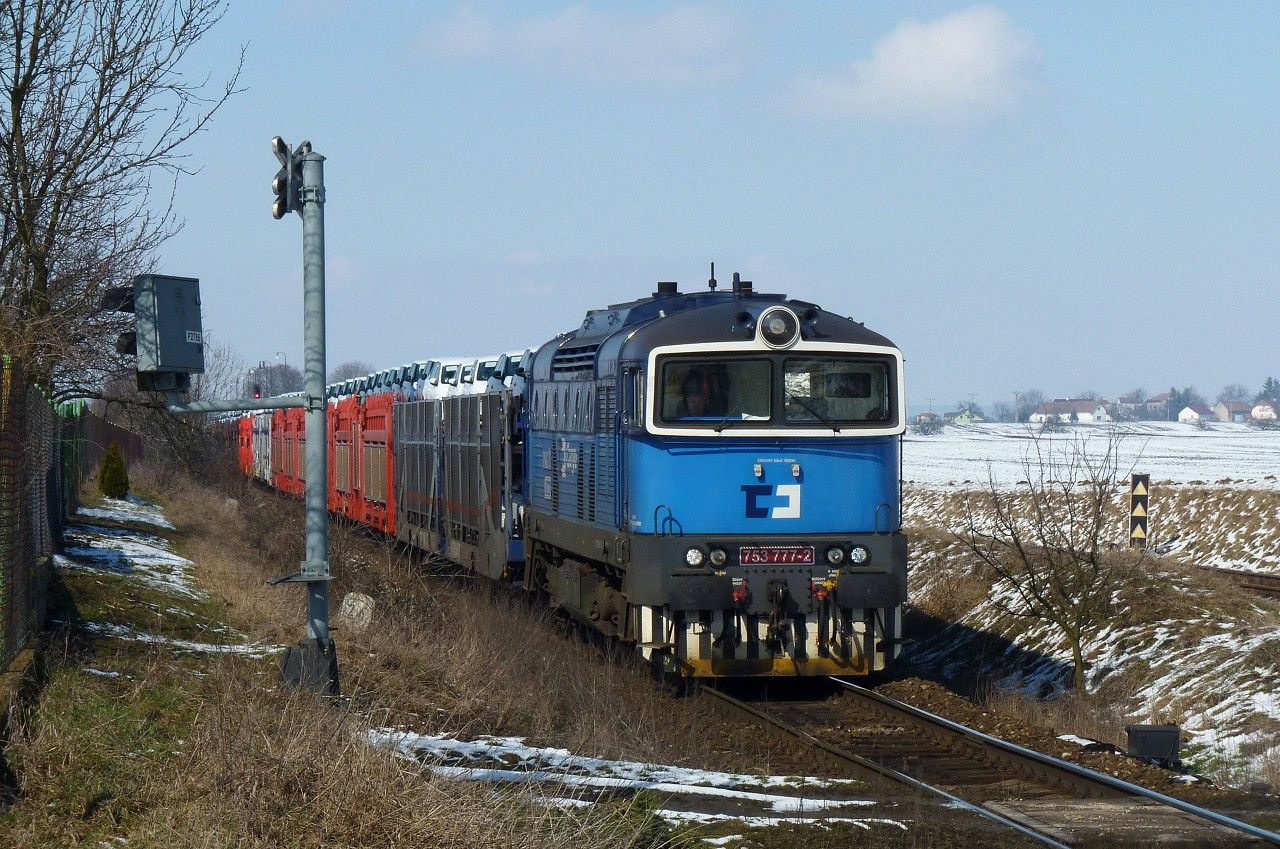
x=716 y=477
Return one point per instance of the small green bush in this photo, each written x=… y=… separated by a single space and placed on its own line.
x=113 y=477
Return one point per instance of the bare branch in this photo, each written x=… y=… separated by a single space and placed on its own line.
x=1048 y=544
x=95 y=102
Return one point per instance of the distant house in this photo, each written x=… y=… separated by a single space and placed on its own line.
x=1083 y=410
x=1266 y=410
x=962 y=417
x=1232 y=411
x=1196 y=413
x=926 y=417
x=1157 y=406
x=1131 y=406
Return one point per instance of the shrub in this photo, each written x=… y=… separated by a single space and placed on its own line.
x=928 y=427
x=113 y=477
x=1053 y=424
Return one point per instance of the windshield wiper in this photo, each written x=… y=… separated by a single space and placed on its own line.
x=826 y=421
x=726 y=421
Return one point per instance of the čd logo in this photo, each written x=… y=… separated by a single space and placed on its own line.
x=765 y=501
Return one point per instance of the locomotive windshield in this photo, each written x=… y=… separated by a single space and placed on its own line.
x=837 y=391
x=712 y=391
x=777 y=391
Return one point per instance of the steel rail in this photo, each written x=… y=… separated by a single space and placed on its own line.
x=880 y=769
x=1058 y=764
x=1259 y=583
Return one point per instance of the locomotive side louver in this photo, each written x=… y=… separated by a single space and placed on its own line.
x=570 y=361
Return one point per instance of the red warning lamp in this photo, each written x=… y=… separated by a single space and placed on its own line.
x=257 y=391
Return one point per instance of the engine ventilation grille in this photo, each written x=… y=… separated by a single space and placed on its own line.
x=574 y=360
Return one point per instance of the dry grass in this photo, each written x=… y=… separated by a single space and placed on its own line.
x=255 y=767
x=1100 y=715
x=180 y=750
x=285 y=769
x=951 y=596
x=443 y=652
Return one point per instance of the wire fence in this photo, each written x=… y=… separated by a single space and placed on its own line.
x=45 y=456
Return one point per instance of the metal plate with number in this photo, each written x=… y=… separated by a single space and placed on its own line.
x=760 y=555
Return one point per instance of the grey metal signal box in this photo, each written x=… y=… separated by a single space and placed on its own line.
x=170 y=341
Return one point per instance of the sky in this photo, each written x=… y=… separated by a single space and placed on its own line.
x=1068 y=197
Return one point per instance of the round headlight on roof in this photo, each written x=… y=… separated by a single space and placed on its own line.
x=779 y=327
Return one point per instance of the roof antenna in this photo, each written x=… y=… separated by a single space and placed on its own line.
x=711 y=284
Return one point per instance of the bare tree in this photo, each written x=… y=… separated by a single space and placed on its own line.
x=1002 y=411
x=274 y=379
x=1235 y=392
x=96 y=104
x=1089 y=395
x=223 y=373
x=1048 y=543
x=350 y=369
x=187 y=439
x=1028 y=401
x=1134 y=396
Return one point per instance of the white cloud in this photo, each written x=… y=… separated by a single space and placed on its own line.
x=682 y=44
x=960 y=67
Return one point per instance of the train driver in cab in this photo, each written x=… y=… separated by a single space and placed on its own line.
x=699 y=398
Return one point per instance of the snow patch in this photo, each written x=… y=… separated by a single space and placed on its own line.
x=129 y=509
x=514 y=752
x=510 y=760
x=133 y=554
x=120 y=632
x=1079 y=741
x=100 y=672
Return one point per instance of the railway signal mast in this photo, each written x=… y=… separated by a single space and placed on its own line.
x=299 y=187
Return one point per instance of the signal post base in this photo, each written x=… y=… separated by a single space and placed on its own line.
x=311 y=665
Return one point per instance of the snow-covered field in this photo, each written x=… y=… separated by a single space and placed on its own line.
x=1214 y=672
x=1215 y=501
x=1172 y=453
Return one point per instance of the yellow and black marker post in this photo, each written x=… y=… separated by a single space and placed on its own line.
x=1139 y=500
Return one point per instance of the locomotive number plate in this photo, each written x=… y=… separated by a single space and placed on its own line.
x=801 y=555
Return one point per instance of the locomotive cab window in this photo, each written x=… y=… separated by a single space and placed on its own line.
x=838 y=391
x=715 y=393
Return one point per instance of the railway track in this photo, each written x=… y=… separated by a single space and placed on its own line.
x=1050 y=801
x=1259 y=583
